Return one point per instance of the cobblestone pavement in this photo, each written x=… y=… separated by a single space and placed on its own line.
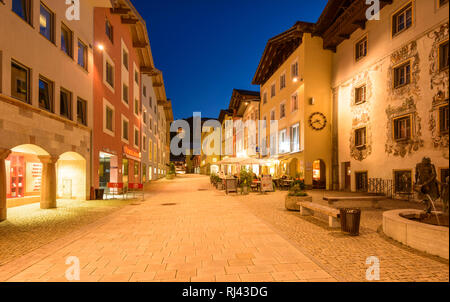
x=344 y=257
x=184 y=231
x=28 y=227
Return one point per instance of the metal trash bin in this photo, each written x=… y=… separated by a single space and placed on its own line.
x=350 y=221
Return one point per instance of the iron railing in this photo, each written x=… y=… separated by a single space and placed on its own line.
x=381 y=186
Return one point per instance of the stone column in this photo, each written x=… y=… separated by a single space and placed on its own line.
x=4 y=153
x=48 y=183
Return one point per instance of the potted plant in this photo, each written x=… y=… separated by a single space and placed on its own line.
x=297 y=194
x=172 y=172
x=246 y=179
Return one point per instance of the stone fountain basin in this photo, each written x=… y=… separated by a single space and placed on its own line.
x=427 y=238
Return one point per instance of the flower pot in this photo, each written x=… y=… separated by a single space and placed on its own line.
x=244 y=190
x=291 y=202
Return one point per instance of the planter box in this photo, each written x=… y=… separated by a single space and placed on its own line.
x=291 y=202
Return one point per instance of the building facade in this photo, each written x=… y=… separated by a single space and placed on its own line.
x=390 y=86
x=46 y=102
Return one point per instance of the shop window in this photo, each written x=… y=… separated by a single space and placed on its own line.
x=20 y=78
x=403 y=181
x=66 y=40
x=47 y=23
x=109 y=30
x=82 y=54
x=402 y=128
x=23 y=9
x=360 y=95
x=360 y=137
x=402 y=20
x=362 y=181
x=45 y=94
x=82 y=112
x=443 y=56
x=402 y=75
x=361 y=49
x=443 y=119
x=125 y=93
x=65 y=103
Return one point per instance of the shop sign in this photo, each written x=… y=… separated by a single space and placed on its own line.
x=132 y=154
x=266 y=183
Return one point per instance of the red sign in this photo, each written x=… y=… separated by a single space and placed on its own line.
x=130 y=152
x=112 y=185
x=135 y=186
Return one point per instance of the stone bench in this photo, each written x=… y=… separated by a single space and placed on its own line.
x=373 y=199
x=309 y=208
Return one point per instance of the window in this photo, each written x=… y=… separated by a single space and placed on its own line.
x=136 y=107
x=402 y=75
x=402 y=20
x=295 y=138
x=265 y=98
x=150 y=101
x=20 y=78
x=272 y=115
x=294 y=70
x=144 y=91
x=360 y=95
x=46 y=23
x=443 y=119
x=65 y=103
x=125 y=129
x=82 y=111
x=125 y=58
x=136 y=169
x=125 y=93
x=361 y=181
x=272 y=91
x=23 y=9
x=82 y=54
x=109 y=31
x=109 y=118
x=360 y=138
x=109 y=74
x=66 y=40
x=136 y=77
x=361 y=49
x=282 y=111
x=144 y=117
x=442 y=2
x=284 y=142
x=402 y=128
x=136 y=137
x=144 y=143
x=403 y=181
x=443 y=56
x=45 y=94
x=294 y=102
x=282 y=81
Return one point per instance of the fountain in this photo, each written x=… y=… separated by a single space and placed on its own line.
x=428 y=230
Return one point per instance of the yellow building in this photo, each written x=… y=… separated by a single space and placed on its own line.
x=294 y=75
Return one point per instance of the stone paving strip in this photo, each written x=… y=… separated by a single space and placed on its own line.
x=181 y=233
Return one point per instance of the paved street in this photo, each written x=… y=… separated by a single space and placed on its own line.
x=184 y=231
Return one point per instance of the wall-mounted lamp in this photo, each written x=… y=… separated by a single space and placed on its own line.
x=100 y=47
x=312 y=101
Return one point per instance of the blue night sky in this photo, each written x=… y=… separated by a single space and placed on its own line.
x=205 y=48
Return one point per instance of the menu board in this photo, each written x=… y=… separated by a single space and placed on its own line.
x=33 y=177
x=266 y=183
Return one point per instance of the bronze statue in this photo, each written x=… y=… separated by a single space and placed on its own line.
x=426 y=183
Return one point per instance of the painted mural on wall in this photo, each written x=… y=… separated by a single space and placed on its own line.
x=440 y=140
x=439 y=78
x=402 y=148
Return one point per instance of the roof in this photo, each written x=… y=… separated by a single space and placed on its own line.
x=223 y=113
x=242 y=97
x=278 y=49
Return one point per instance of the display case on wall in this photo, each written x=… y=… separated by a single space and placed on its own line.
x=17 y=177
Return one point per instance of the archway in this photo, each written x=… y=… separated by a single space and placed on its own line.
x=319 y=175
x=71 y=176
x=24 y=174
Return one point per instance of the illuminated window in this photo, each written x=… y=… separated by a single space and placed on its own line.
x=402 y=75
x=402 y=20
x=361 y=49
x=360 y=95
x=46 y=23
x=295 y=138
x=402 y=128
